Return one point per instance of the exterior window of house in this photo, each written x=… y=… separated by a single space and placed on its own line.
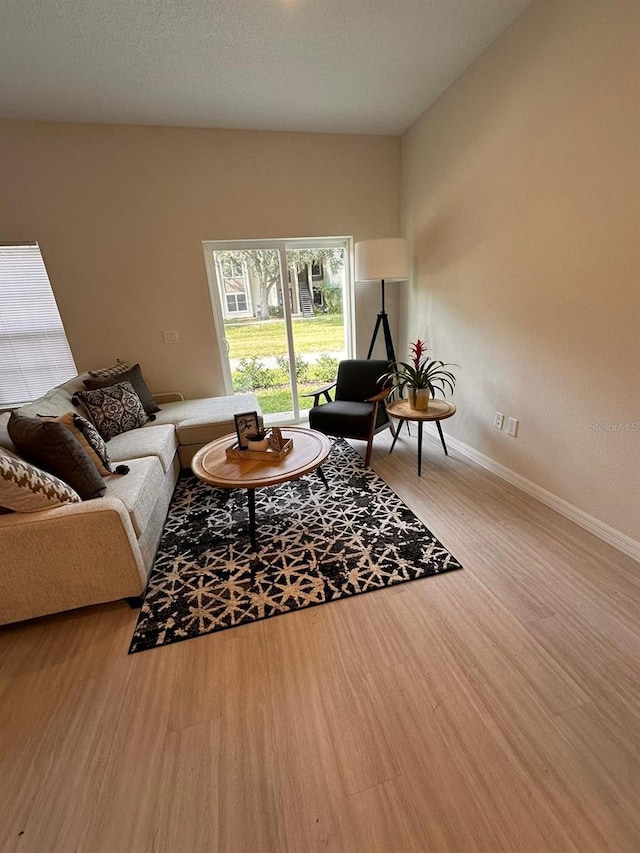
x=235 y=295
x=34 y=352
x=232 y=275
x=236 y=302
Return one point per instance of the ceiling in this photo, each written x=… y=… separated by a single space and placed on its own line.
x=343 y=66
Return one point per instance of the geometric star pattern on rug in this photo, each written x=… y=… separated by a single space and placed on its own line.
x=315 y=545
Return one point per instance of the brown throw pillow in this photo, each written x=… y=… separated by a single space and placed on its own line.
x=91 y=442
x=132 y=375
x=51 y=446
x=114 y=409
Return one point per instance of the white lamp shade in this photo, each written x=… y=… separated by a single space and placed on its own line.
x=386 y=259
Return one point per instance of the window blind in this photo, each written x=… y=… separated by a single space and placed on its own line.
x=34 y=352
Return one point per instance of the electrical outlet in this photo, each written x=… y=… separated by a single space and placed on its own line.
x=498 y=420
x=512 y=427
x=170 y=336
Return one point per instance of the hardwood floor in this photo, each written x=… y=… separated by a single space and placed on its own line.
x=491 y=709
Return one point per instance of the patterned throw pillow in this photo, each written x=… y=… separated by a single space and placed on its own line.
x=114 y=409
x=51 y=446
x=91 y=442
x=25 y=488
x=134 y=376
x=109 y=372
x=90 y=439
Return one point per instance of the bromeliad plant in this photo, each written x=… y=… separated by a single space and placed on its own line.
x=422 y=373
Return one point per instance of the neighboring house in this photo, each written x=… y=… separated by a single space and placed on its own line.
x=307 y=286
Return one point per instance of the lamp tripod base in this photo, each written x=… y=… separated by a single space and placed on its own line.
x=383 y=320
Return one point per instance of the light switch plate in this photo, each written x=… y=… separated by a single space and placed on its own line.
x=170 y=336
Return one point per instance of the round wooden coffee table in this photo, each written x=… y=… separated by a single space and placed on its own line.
x=210 y=464
x=438 y=410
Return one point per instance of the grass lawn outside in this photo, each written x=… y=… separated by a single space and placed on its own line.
x=261 y=341
x=264 y=338
x=275 y=400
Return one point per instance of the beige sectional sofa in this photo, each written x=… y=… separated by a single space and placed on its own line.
x=102 y=550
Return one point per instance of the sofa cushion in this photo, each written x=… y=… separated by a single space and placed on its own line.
x=132 y=375
x=52 y=404
x=139 y=490
x=26 y=488
x=153 y=440
x=114 y=409
x=50 y=445
x=202 y=421
x=76 y=383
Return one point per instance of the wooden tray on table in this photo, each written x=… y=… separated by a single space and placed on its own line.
x=268 y=455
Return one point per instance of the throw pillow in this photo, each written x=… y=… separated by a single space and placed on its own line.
x=111 y=371
x=25 y=488
x=51 y=446
x=91 y=442
x=134 y=376
x=114 y=409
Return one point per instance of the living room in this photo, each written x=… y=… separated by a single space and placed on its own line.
x=518 y=189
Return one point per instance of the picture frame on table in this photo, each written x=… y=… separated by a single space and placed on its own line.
x=247 y=423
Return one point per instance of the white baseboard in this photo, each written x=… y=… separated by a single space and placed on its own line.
x=604 y=531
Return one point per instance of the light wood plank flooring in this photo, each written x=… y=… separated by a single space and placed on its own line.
x=492 y=709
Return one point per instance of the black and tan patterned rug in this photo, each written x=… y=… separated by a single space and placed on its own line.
x=314 y=546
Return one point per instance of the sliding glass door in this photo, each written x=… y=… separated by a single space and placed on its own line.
x=283 y=312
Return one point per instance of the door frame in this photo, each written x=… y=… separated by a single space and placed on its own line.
x=280 y=245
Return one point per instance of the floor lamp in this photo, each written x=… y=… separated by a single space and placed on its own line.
x=382 y=260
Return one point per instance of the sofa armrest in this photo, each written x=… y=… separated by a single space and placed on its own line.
x=168 y=397
x=71 y=556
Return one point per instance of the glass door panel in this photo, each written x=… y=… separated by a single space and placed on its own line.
x=284 y=318
x=251 y=296
x=317 y=278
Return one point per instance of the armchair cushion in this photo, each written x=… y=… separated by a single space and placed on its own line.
x=342 y=417
x=358 y=379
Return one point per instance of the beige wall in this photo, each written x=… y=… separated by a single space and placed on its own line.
x=521 y=194
x=121 y=213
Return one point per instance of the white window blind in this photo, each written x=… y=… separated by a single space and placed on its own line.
x=34 y=353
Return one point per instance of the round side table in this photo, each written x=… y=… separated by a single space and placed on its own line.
x=438 y=410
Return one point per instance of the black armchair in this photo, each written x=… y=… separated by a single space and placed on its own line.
x=356 y=411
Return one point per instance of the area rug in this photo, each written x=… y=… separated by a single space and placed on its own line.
x=315 y=545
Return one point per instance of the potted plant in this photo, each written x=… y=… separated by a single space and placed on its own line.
x=258 y=440
x=422 y=377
